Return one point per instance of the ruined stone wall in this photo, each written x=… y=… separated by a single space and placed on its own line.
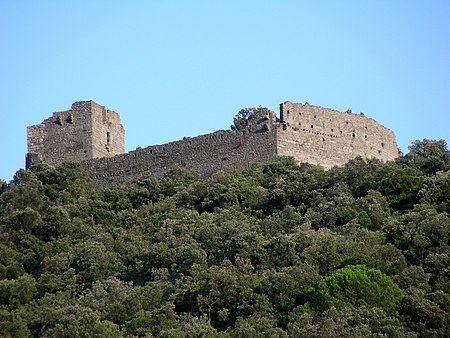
x=75 y=135
x=62 y=137
x=107 y=132
x=205 y=154
x=327 y=137
x=93 y=136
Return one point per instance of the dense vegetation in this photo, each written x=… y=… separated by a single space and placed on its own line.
x=278 y=250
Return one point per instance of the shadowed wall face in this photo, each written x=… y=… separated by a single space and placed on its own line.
x=84 y=132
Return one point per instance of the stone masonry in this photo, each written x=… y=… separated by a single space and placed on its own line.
x=84 y=132
x=93 y=136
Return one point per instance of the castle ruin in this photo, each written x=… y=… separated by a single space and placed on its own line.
x=94 y=137
x=86 y=131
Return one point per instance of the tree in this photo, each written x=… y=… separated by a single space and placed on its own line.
x=242 y=118
x=435 y=191
x=355 y=286
x=429 y=156
x=399 y=184
x=419 y=233
x=3 y=186
x=258 y=326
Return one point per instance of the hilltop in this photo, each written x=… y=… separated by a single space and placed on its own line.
x=280 y=249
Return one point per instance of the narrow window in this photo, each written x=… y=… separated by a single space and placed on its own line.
x=312 y=126
x=353 y=134
x=108 y=138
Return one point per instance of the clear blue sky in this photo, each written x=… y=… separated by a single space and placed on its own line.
x=184 y=68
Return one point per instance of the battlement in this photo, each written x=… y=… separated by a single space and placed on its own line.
x=93 y=136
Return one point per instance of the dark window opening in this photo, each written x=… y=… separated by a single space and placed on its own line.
x=323 y=140
x=346 y=122
x=353 y=134
x=315 y=116
x=108 y=138
x=312 y=126
x=365 y=136
x=331 y=129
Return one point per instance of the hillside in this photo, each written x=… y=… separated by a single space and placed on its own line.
x=277 y=250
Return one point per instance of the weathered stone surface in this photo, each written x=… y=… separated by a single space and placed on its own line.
x=327 y=137
x=84 y=132
x=93 y=136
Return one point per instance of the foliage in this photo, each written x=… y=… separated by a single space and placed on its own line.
x=244 y=116
x=356 y=286
x=280 y=249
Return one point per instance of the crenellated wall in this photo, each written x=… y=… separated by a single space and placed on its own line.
x=93 y=136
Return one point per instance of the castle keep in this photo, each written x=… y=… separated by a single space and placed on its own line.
x=94 y=137
x=84 y=132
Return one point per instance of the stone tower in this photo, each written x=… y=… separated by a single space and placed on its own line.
x=86 y=131
x=328 y=137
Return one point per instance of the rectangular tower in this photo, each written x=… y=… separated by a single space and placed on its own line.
x=84 y=132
